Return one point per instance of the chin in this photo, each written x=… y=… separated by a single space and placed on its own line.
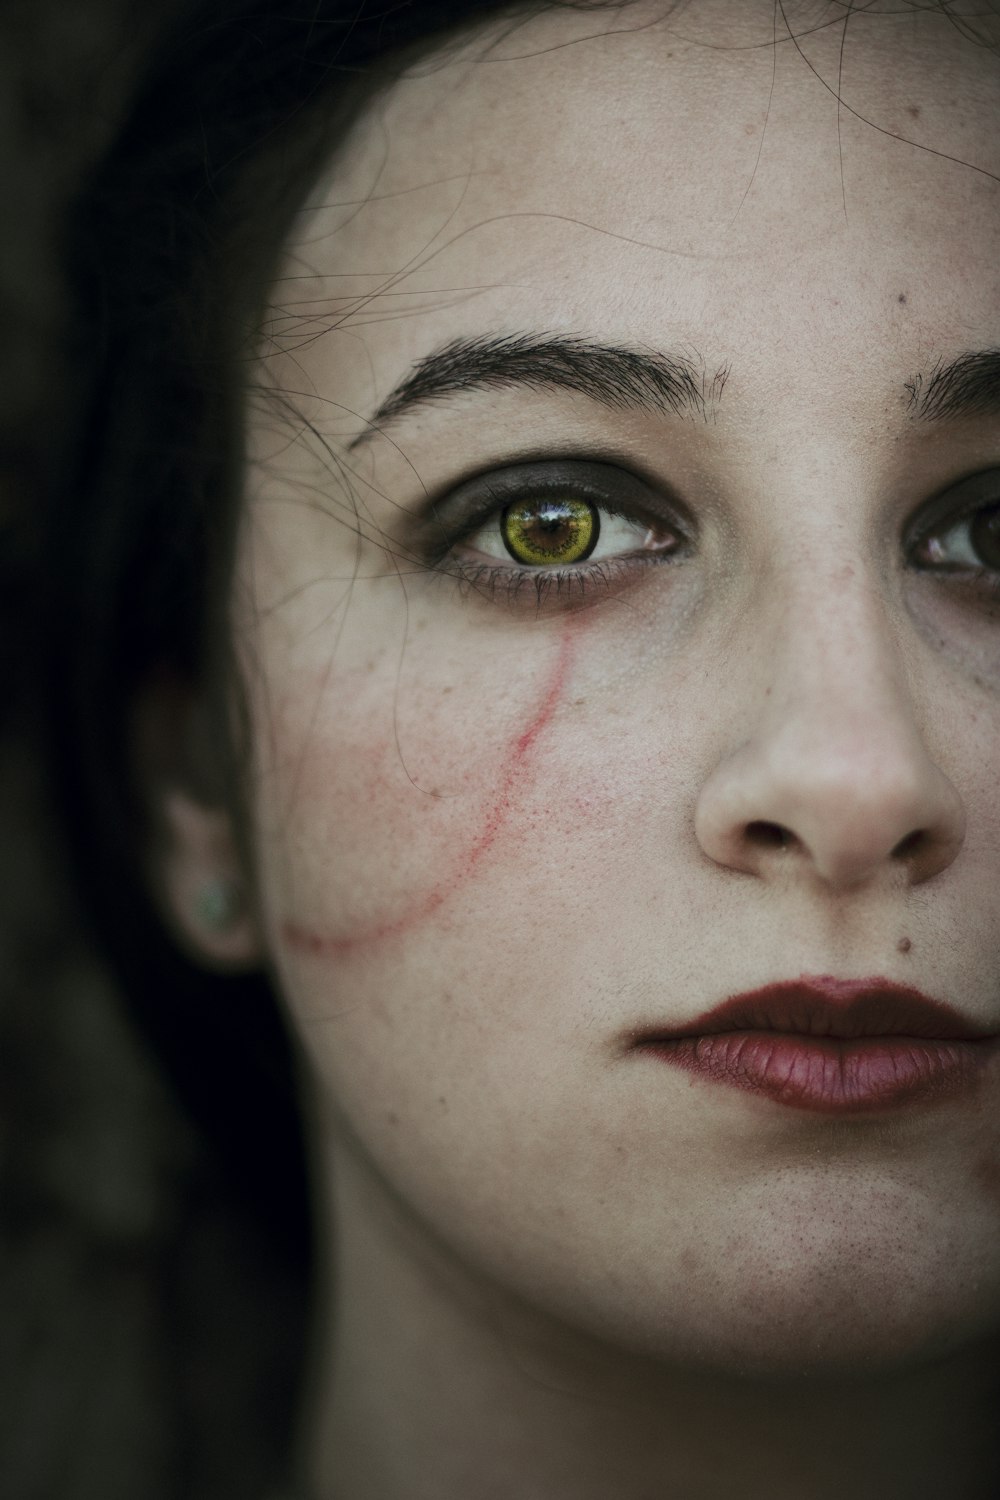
x=858 y=1295
x=822 y=1321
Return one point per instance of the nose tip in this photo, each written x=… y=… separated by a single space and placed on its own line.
x=843 y=814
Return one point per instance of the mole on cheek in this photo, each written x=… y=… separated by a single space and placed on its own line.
x=513 y=783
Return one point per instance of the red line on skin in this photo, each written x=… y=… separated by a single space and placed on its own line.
x=307 y=941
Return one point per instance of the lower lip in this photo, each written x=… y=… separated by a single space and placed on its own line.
x=830 y=1075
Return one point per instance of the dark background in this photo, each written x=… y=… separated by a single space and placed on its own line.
x=134 y=1307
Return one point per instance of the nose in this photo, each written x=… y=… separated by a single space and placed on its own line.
x=835 y=778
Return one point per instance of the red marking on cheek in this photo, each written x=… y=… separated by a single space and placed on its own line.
x=499 y=812
x=304 y=940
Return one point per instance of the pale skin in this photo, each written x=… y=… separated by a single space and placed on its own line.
x=492 y=837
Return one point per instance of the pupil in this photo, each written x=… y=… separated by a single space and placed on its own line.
x=550 y=529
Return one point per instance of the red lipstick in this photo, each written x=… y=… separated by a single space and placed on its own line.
x=836 y=1046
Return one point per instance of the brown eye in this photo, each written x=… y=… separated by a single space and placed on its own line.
x=984 y=536
x=963 y=532
x=542 y=532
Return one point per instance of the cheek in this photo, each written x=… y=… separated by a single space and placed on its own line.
x=485 y=811
x=454 y=860
x=394 y=805
x=423 y=843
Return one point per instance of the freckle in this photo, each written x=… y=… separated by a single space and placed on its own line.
x=901 y=297
x=578 y=702
x=904 y=945
x=913 y=110
x=445 y=691
x=443 y=1103
x=392 y=1117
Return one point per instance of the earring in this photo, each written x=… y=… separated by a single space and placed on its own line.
x=219 y=903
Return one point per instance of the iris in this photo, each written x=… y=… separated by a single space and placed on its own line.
x=541 y=532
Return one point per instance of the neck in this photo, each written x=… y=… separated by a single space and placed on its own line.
x=432 y=1384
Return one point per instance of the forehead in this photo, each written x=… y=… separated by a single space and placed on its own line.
x=816 y=206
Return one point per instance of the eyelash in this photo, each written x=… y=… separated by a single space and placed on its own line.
x=571 y=584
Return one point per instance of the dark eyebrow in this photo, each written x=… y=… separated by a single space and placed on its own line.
x=968 y=386
x=618 y=377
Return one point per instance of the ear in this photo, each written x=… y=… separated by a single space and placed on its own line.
x=192 y=854
x=204 y=893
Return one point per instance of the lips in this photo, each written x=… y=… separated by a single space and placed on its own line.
x=830 y=1045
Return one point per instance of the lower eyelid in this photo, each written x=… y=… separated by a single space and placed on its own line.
x=558 y=588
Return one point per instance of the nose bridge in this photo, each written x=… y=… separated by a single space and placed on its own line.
x=837 y=682
x=831 y=761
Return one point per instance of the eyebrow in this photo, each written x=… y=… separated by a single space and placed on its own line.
x=968 y=386
x=619 y=377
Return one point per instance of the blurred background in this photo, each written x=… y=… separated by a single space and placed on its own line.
x=131 y=1300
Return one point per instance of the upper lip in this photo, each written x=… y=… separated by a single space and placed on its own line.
x=823 y=1005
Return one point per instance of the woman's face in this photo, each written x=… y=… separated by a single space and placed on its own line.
x=517 y=803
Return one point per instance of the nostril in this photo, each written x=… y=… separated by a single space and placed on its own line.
x=912 y=843
x=768 y=835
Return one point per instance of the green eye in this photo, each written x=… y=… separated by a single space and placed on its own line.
x=543 y=532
